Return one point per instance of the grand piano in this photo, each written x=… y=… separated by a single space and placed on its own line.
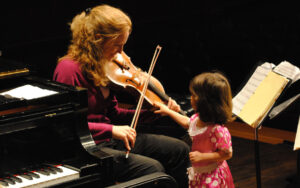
x=45 y=141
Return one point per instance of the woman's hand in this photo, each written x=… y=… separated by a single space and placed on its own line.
x=126 y=134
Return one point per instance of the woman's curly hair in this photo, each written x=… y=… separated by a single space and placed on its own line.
x=85 y=48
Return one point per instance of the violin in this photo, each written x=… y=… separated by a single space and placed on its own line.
x=121 y=71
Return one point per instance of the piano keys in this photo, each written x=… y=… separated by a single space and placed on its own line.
x=41 y=177
x=48 y=130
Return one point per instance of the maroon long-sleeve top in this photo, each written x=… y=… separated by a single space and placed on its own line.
x=102 y=113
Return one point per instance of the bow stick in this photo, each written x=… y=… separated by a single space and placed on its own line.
x=139 y=105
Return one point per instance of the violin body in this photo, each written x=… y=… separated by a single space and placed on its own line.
x=122 y=72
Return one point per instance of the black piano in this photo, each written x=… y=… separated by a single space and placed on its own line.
x=45 y=141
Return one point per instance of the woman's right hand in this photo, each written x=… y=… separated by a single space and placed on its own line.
x=126 y=134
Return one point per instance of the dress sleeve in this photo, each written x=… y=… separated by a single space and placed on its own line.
x=221 y=138
x=191 y=130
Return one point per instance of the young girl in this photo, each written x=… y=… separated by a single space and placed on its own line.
x=212 y=101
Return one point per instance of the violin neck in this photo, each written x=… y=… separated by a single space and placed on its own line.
x=161 y=94
x=158 y=92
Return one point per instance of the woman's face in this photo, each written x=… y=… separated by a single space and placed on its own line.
x=113 y=46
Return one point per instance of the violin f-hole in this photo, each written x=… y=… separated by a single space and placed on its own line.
x=136 y=84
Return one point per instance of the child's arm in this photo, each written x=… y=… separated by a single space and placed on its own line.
x=180 y=119
x=197 y=156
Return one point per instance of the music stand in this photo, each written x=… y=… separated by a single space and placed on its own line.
x=274 y=112
x=278 y=110
x=258 y=96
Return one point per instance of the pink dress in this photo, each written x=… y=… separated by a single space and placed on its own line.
x=207 y=140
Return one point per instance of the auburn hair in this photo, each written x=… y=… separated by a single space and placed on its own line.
x=85 y=48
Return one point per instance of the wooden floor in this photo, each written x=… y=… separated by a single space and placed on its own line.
x=278 y=163
x=278 y=160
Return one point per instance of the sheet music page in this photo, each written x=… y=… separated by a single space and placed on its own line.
x=263 y=98
x=297 y=139
x=28 y=92
x=248 y=90
x=288 y=70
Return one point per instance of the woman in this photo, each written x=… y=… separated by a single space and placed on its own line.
x=98 y=34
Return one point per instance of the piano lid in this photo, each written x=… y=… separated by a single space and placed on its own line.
x=11 y=68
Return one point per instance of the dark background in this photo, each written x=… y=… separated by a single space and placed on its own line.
x=232 y=36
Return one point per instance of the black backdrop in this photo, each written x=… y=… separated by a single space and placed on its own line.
x=232 y=36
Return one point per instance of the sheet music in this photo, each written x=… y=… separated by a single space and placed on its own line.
x=297 y=139
x=247 y=91
x=28 y=92
x=288 y=70
x=263 y=98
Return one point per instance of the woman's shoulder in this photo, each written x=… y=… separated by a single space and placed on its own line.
x=68 y=63
x=68 y=71
x=68 y=67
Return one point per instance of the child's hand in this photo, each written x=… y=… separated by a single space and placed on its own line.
x=172 y=104
x=162 y=108
x=195 y=156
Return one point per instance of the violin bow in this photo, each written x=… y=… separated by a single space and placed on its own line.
x=139 y=105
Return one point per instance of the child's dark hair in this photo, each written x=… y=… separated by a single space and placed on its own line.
x=213 y=97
